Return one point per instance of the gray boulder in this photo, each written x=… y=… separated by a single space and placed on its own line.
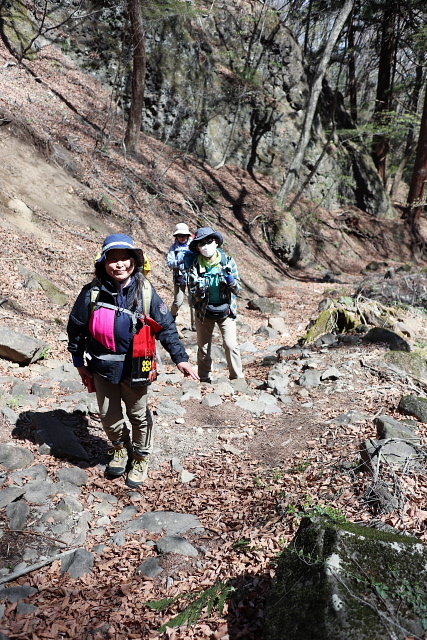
x=17 y=512
x=414 y=406
x=388 y=427
x=176 y=544
x=13 y=457
x=78 y=563
x=19 y=347
x=310 y=378
x=394 y=452
x=75 y=475
x=16 y=594
x=150 y=568
x=286 y=240
x=169 y=521
x=212 y=400
x=341 y=581
x=265 y=305
x=10 y=494
x=168 y=407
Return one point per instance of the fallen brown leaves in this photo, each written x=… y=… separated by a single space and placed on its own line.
x=249 y=514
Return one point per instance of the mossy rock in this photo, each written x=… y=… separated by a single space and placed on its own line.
x=413 y=363
x=332 y=320
x=52 y=292
x=347 y=582
x=18 y=29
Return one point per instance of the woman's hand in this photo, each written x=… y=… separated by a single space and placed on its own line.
x=187 y=370
x=85 y=374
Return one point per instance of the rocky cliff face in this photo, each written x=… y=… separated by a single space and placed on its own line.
x=230 y=87
x=228 y=83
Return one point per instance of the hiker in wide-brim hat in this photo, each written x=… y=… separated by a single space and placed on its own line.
x=202 y=234
x=175 y=261
x=112 y=333
x=214 y=284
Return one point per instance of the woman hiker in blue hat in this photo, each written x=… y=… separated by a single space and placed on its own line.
x=115 y=322
x=214 y=283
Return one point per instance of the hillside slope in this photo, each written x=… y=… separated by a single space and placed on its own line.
x=62 y=160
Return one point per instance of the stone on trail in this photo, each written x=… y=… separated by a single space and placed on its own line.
x=16 y=594
x=168 y=407
x=78 y=563
x=396 y=453
x=59 y=437
x=17 y=512
x=150 y=568
x=331 y=373
x=176 y=544
x=13 y=457
x=24 y=608
x=212 y=400
x=127 y=514
x=253 y=406
x=414 y=406
x=343 y=581
x=20 y=348
x=388 y=427
x=267 y=332
x=351 y=417
x=271 y=409
x=37 y=472
x=171 y=522
x=310 y=378
x=382 y=499
x=186 y=476
x=248 y=347
x=118 y=539
x=241 y=386
x=9 y=414
x=265 y=305
x=40 y=391
x=278 y=324
x=229 y=448
x=10 y=494
x=38 y=491
x=326 y=340
x=75 y=475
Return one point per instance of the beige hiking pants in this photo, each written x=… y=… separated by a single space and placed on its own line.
x=179 y=293
x=109 y=397
x=228 y=331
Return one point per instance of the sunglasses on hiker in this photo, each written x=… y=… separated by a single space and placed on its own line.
x=202 y=243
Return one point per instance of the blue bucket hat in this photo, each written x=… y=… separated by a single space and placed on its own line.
x=201 y=234
x=120 y=241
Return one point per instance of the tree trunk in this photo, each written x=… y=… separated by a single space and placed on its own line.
x=138 y=75
x=410 y=138
x=352 y=75
x=313 y=98
x=380 y=142
x=418 y=183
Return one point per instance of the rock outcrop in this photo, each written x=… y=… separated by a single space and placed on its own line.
x=342 y=581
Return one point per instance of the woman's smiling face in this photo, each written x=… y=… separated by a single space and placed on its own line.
x=119 y=265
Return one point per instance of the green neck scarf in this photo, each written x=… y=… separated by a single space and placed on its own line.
x=208 y=263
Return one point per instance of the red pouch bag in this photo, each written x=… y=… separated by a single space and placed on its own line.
x=144 y=352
